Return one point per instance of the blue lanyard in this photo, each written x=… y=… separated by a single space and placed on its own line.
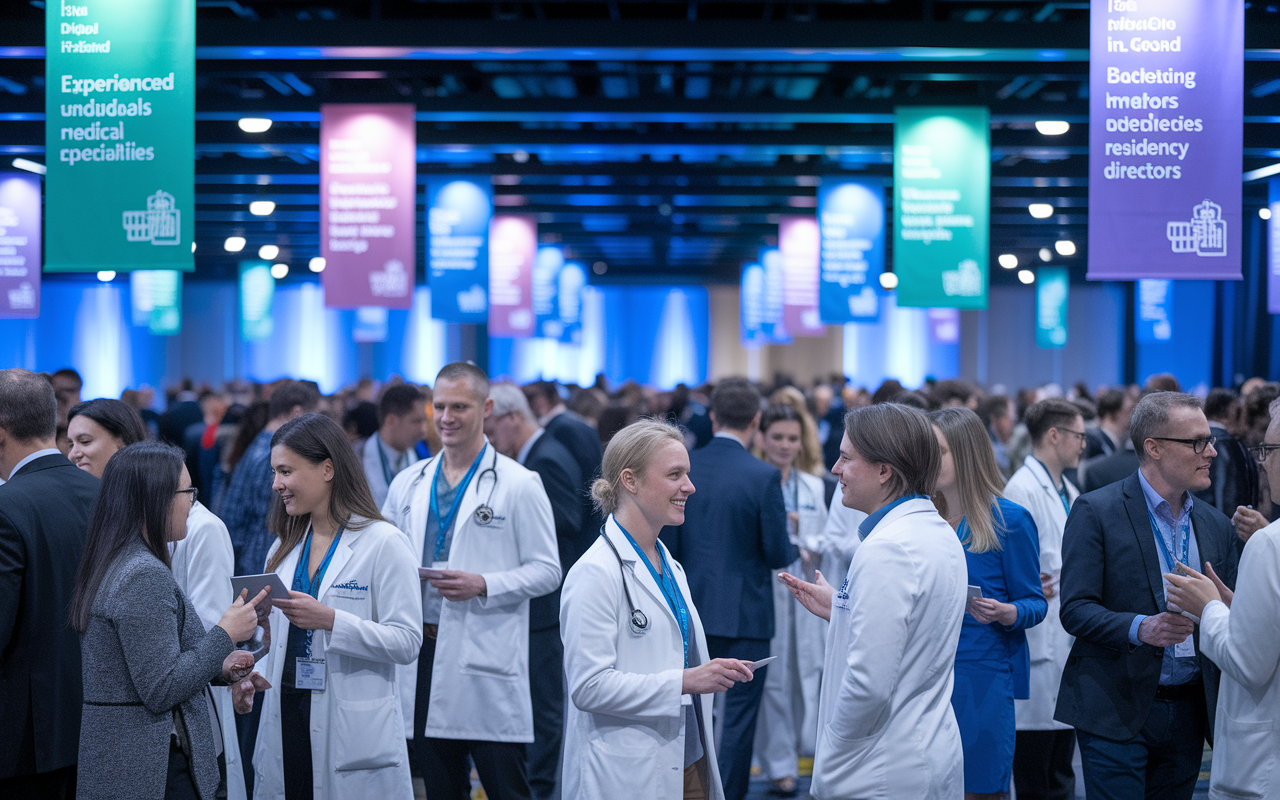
x=1185 y=530
x=669 y=588
x=386 y=466
x=445 y=520
x=312 y=585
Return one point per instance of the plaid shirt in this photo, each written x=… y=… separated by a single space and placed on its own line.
x=245 y=505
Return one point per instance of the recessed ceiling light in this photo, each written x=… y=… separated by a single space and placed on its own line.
x=278 y=271
x=1052 y=127
x=255 y=125
x=1040 y=210
x=268 y=252
x=193 y=247
x=1026 y=276
x=233 y=244
x=1264 y=212
x=30 y=166
x=107 y=276
x=262 y=208
x=1046 y=254
x=1065 y=247
x=1008 y=260
x=888 y=281
x=316 y=264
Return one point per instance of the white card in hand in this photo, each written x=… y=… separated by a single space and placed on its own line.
x=1186 y=648
x=755 y=665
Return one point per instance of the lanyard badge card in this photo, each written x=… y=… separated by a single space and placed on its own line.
x=309 y=672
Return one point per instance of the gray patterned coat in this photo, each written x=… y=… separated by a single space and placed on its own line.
x=145 y=655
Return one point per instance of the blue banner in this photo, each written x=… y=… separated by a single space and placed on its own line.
x=545 y=292
x=458 y=211
x=774 y=289
x=1154 y=318
x=257 y=293
x=851 y=218
x=1052 y=287
x=569 y=285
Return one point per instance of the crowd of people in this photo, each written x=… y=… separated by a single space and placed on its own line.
x=615 y=591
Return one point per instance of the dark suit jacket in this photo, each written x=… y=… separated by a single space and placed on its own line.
x=1110 y=574
x=44 y=514
x=581 y=440
x=734 y=534
x=1097 y=443
x=1106 y=470
x=562 y=482
x=1234 y=474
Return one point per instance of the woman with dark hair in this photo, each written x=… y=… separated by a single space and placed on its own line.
x=1002 y=551
x=334 y=729
x=146 y=656
x=98 y=428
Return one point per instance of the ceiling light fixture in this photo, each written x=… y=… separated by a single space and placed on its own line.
x=262 y=208
x=1264 y=212
x=1040 y=210
x=106 y=276
x=1008 y=260
x=30 y=166
x=233 y=244
x=278 y=271
x=1046 y=254
x=1065 y=247
x=1026 y=276
x=1052 y=127
x=888 y=281
x=193 y=247
x=316 y=264
x=255 y=125
x=268 y=252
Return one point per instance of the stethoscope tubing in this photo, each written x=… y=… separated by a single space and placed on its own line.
x=484 y=512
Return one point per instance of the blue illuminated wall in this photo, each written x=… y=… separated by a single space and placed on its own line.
x=1188 y=352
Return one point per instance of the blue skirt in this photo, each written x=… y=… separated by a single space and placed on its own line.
x=983 y=703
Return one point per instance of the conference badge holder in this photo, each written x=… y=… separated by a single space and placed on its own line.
x=309 y=674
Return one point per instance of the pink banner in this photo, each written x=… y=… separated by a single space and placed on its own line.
x=513 y=245
x=368 y=184
x=799 y=246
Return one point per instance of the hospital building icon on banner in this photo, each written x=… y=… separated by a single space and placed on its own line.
x=1204 y=235
x=159 y=224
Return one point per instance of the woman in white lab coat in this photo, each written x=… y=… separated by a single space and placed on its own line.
x=635 y=656
x=886 y=730
x=333 y=727
x=1238 y=633
x=787 y=725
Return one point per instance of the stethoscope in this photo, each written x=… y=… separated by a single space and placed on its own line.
x=484 y=512
x=639 y=622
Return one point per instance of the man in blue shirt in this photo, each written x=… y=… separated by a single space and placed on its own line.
x=1136 y=686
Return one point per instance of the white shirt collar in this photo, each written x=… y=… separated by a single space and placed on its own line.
x=528 y=445
x=48 y=451
x=556 y=411
x=726 y=435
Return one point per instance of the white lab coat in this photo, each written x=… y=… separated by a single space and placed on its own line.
x=886 y=730
x=372 y=463
x=357 y=740
x=1049 y=643
x=787 y=725
x=1242 y=641
x=202 y=565
x=480 y=677
x=625 y=727
x=839 y=538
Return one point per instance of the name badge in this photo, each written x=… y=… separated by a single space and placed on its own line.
x=1186 y=648
x=309 y=674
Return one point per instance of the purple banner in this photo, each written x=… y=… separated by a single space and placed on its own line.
x=1166 y=132
x=799 y=244
x=19 y=245
x=368 y=177
x=513 y=244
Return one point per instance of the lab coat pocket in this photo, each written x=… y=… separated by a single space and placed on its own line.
x=496 y=652
x=612 y=765
x=848 y=767
x=1244 y=759
x=366 y=734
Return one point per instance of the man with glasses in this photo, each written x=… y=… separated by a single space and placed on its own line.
x=1136 y=687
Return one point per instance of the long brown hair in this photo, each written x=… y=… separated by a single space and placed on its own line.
x=810 y=458
x=316 y=438
x=978 y=480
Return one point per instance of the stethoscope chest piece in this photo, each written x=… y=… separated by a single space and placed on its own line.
x=484 y=514
x=639 y=622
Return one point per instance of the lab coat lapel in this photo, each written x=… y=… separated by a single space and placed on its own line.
x=471 y=496
x=340 y=558
x=639 y=572
x=420 y=507
x=1046 y=485
x=1135 y=504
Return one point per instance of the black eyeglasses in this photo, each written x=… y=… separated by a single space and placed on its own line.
x=1081 y=434
x=1261 y=451
x=193 y=491
x=1198 y=445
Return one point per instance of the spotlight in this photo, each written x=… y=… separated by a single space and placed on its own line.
x=233 y=244
x=268 y=252
x=1040 y=210
x=1264 y=212
x=1065 y=247
x=1026 y=276
x=316 y=264
x=262 y=208
x=255 y=125
x=888 y=281
x=1046 y=254
x=107 y=276
x=1052 y=127
x=30 y=166
x=1008 y=260
x=278 y=271
x=193 y=247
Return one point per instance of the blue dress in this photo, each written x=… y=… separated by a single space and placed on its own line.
x=993 y=664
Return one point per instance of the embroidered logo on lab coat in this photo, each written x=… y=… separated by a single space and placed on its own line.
x=841 y=600
x=350 y=590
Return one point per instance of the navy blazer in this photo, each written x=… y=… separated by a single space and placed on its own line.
x=1110 y=574
x=562 y=482
x=734 y=534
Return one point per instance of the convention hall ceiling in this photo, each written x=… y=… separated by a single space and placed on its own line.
x=653 y=140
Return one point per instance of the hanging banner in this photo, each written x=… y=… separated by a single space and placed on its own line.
x=156 y=299
x=544 y=292
x=569 y=285
x=941 y=202
x=19 y=245
x=798 y=244
x=120 y=135
x=257 y=292
x=751 y=307
x=775 y=326
x=1154 y=317
x=944 y=325
x=368 y=202
x=1052 y=287
x=370 y=324
x=1273 y=252
x=851 y=216
x=1166 y=132
x=513 y=245
x=458 y=211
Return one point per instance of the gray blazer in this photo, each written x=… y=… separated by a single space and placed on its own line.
x=146 y=655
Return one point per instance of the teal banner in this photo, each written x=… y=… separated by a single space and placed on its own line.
x=1053 y=284
x=156 y=297
x=119 y=135
x=941 y=206
x=257 y=293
